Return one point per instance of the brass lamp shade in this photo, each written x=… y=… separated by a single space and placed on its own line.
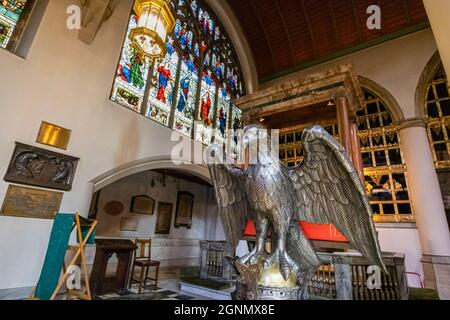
x=155 y=22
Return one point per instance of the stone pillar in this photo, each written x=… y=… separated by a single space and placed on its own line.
x=437 y=11
x=428 y=206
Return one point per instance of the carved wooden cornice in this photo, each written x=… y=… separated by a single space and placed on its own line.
x=94 y=14
x=340 y=81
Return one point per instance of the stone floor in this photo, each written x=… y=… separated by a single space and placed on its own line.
x=168 y=289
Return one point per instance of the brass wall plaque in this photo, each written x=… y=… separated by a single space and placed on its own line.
x=41 y=168
x=33 y=203
x=54 y=136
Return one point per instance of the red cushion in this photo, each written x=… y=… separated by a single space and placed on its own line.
x=316 y=232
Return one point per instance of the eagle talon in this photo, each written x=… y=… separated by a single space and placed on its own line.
x=252 y=258
x=287 y=266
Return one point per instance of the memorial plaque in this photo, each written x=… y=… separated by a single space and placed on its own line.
x=129 y=224
x=185 y=206
x=41 y=168
x=33 y=203
x=54 y=136
x=114 y=208
x=142 y=205
x=164 y=218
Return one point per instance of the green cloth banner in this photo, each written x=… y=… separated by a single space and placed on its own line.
x=54 y=260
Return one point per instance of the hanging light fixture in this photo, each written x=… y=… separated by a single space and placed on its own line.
x=155 y=22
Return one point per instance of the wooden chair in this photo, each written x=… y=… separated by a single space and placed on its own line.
x=144 y=262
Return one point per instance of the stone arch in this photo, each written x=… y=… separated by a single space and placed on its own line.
x=377 y=90
x=147 y=164
x=425 y=79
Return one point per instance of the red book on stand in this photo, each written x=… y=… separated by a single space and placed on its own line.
x=314 y=232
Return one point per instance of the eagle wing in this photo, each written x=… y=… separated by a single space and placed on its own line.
x=233 y=207
x=327 y=190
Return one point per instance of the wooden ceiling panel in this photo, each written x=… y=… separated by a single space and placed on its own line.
x=395 y=16
x=322 y=26
x=277 y=33
x=297 y=24
x=347 y=23
x=416 y=10
x=286 y=35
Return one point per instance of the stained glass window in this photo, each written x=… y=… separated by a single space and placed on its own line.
x=11 y=12
x=386 y=177
x=438 y=119
x=192 y=88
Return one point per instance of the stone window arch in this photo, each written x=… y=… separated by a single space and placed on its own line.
x=434 y=98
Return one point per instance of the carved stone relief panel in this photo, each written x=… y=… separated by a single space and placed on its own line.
x=42 y=168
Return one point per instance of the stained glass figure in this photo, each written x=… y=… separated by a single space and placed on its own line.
x=163 y=87
x=132 y=73
x=206 y=23
x=223 y=109
x=206 y=111
x=184 y=112
x=236 y=125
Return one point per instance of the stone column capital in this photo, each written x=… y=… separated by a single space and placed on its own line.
x=411 y=123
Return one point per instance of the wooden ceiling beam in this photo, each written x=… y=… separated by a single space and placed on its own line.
x=308 y=23
x=263 y=28
x=408 y=14
x=335 y=26
x=286 y=30
x=358 y=25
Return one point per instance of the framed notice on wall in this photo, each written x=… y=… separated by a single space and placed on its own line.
x=129 y=224
x=164 y=218
x=142 y=205
x=185 y=205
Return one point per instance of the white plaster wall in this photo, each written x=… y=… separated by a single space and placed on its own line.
x=140 y=184
x=181 y=247
x=68 y=83
x=405 y=241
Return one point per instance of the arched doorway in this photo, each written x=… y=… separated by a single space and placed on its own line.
x=172 y=205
